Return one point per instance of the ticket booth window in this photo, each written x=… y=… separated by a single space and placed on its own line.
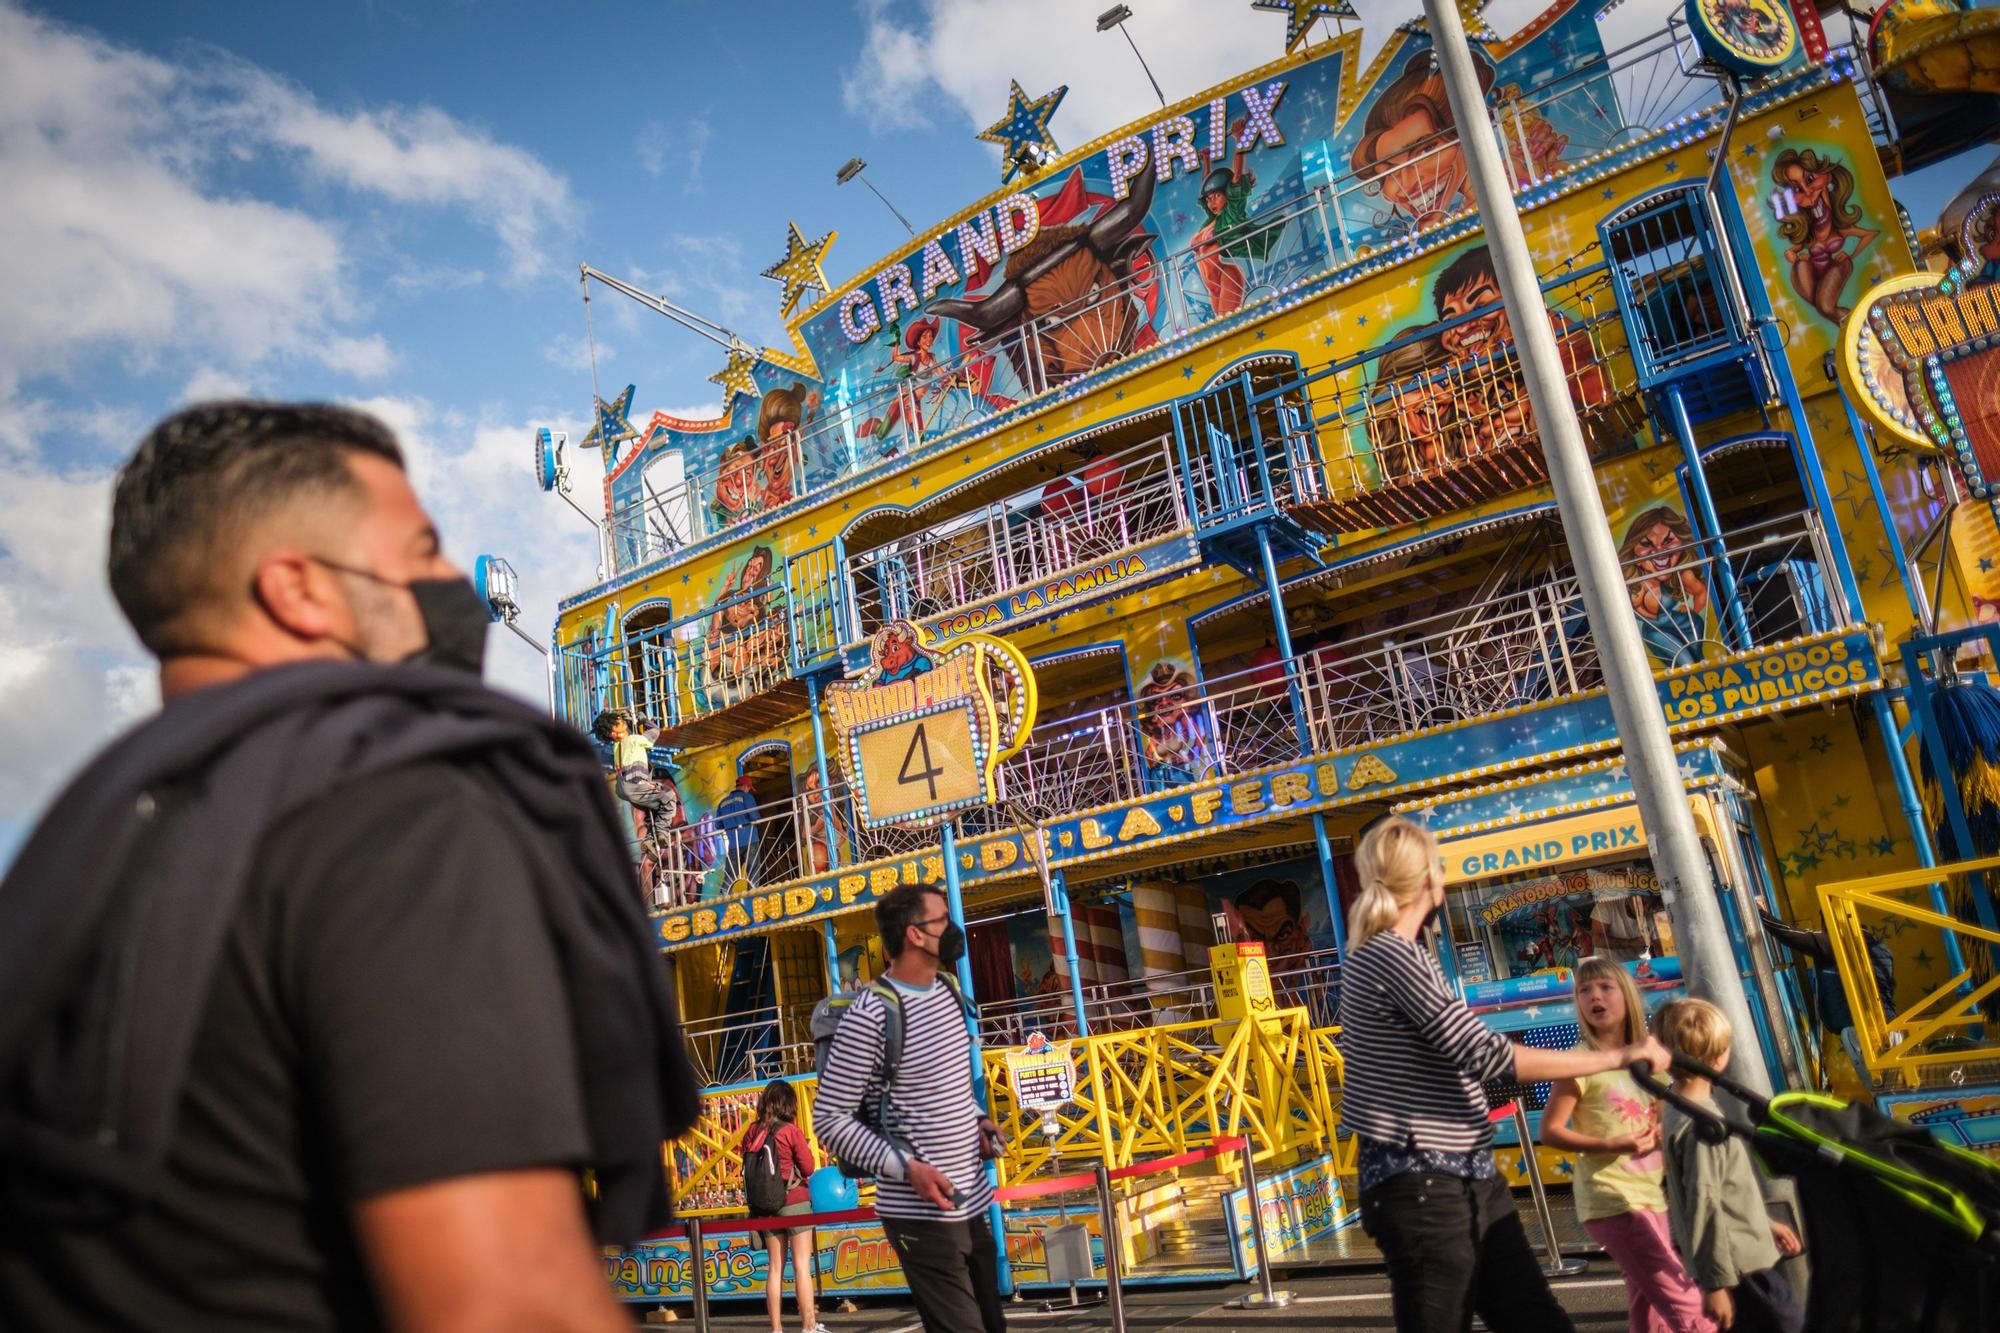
x=1514 y=925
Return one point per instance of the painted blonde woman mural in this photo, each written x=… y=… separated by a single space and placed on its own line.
x=1824 y=221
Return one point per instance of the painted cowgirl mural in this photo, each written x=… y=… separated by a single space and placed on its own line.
x=1668 y=585
x=1173 y=734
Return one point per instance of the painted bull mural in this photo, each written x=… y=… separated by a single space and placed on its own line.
x=1079 y=294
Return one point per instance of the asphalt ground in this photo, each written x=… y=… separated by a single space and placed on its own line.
x=1345 y=1298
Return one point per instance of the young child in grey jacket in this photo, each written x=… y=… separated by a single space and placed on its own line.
x=1715 y=1201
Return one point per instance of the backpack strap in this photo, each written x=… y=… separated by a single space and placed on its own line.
x=892 y=1030
x=892 y=1054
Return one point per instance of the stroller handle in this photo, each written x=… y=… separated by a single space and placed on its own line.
x=1708 y=1126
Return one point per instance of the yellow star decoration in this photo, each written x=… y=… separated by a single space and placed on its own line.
x=736 y=377
x=1300 y=15
x=800 y=268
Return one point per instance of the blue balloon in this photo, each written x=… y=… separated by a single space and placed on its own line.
x=833 y=1192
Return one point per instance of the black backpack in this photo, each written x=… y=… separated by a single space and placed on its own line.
x=826 y=1016
x=764 y=1189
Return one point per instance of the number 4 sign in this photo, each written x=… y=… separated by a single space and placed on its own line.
x=921 y=732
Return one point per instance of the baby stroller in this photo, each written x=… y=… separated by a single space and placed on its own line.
x=1902 y=1232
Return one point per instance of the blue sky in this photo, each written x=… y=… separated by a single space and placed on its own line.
x=385 y=203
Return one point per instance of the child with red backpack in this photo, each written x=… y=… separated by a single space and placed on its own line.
x=777 y=1162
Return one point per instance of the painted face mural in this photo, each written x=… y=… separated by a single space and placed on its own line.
x=1669 y=586
x=1281 y=907
x=1409 y=151
x=779 y=417
x=1822 y=223
x=1173 y=728
x=746 y=638
x=736 y=497
x=1457 y=392
x=1467 y=284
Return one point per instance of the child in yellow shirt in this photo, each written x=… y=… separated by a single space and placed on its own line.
x=1609 y=1121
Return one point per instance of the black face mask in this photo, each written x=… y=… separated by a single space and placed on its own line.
x=455 y=618
x=950 y=945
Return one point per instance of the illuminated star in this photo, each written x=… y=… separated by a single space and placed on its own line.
x=1300 y=15
x=800 y=268
x=1025 y=126
x=736 y=377
x=614 y=423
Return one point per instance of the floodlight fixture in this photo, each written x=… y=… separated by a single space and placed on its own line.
x=852 y=171
x=1115 y=17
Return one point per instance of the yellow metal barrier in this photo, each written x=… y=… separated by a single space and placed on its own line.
x=1162 y=1091
x=705 y=1165
x=1914 y=1039
x=1151 y=1092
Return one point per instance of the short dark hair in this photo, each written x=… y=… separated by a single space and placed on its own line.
x=1263 y=891
x=601 y=726
x=201 y=477
x=899 y=909
x=1461 y=273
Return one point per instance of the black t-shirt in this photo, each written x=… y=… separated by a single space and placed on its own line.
x=388 y=1010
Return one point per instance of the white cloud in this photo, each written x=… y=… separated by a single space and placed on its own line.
x=659 y=150
x=416 y=155
x=956 y=55
x=364 y=358
x=72 y=675
x=208 y=384
x=573 y=353
x=70 y=671
x=117 y=236
x=920 y=58
x=475 y=479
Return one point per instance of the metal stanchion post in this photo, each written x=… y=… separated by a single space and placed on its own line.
x=1553 y=1263
x=697 y=1275
x=1107 y=1211
x=1264 y=1298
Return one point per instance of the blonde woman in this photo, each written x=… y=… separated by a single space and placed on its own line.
x=1416 y=1056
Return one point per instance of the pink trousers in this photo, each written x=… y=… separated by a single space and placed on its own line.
x=1659 y=1294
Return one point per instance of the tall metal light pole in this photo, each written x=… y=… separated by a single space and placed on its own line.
x=1115 y=17
x=1686 y=882
x=852 y=171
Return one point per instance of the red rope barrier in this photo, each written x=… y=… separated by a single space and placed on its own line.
x=1034 y=1189
x=727 y=1226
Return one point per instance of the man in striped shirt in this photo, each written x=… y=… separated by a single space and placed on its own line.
x=931 y=1190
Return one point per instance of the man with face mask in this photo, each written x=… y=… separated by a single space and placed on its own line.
x=931 y=1188
x=320 y=989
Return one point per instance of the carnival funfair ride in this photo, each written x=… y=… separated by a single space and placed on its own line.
x=1216 y=424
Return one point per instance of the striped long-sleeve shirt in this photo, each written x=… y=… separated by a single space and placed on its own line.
x=932 y=1113
x=1415 y=1054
